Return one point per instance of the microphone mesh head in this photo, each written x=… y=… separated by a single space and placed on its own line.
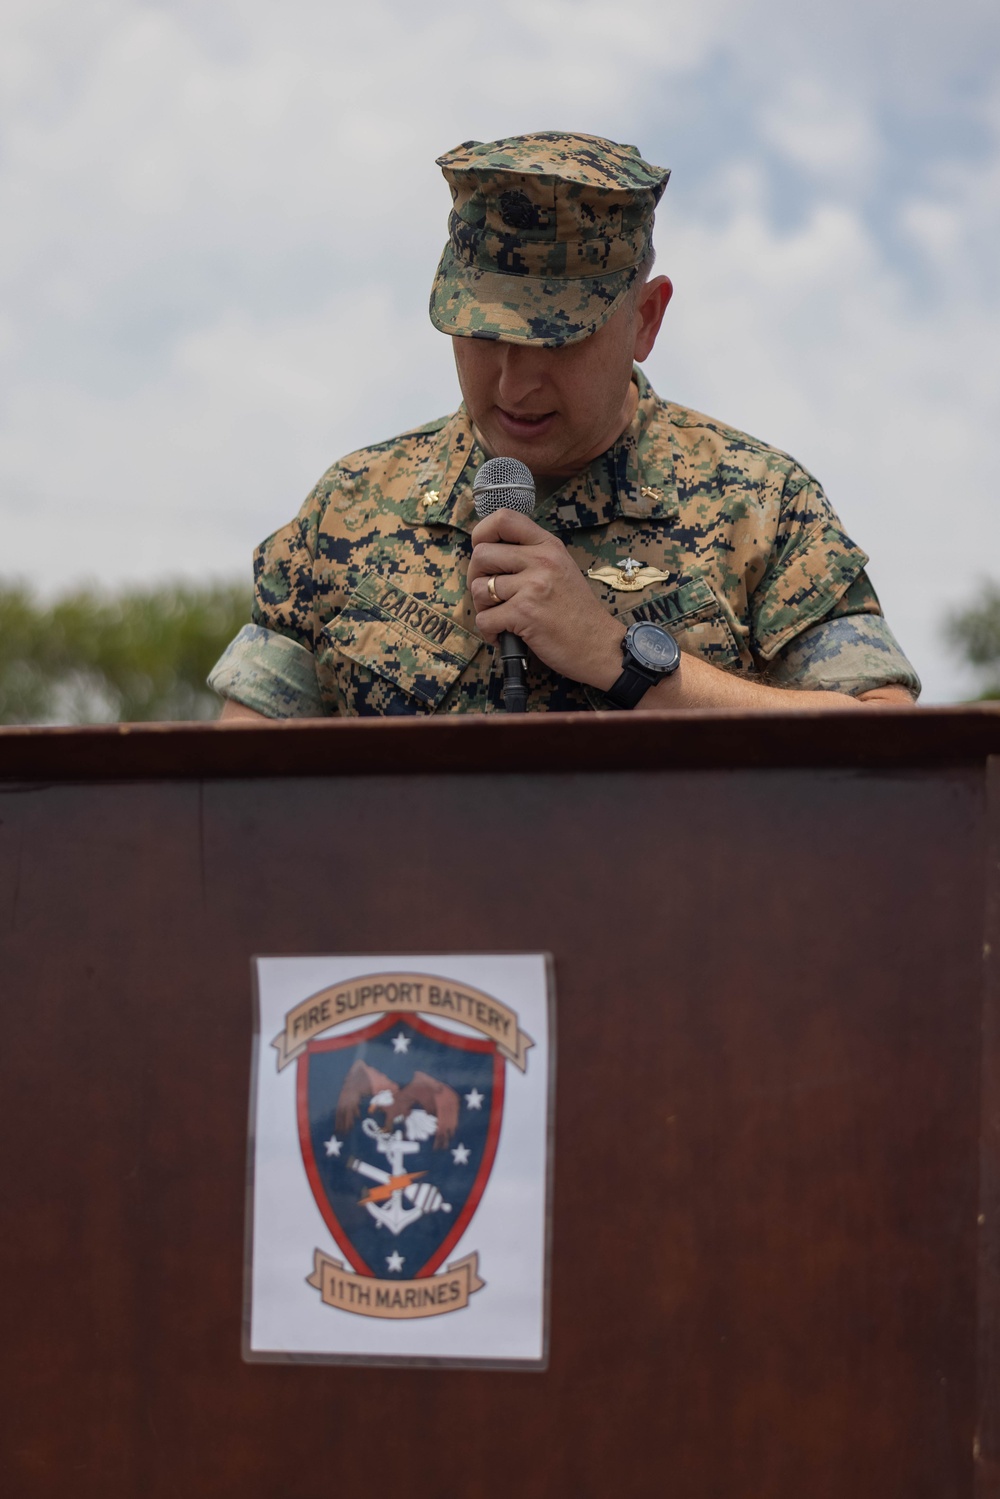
x=503 y=483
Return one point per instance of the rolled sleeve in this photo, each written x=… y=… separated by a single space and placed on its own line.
x=270 y=673
x=851 y=653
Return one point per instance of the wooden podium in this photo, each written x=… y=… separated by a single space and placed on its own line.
x=776 y=1253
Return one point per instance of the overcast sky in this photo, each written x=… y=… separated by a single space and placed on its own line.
x=221 y=219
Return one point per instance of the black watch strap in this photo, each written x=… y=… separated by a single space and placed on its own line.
x=631 y=686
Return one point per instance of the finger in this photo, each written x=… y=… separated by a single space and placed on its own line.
x=507 y=525
x=493 y=621
x=503 y=588
x=497 y=557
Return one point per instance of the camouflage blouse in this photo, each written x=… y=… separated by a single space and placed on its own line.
x=361 y=604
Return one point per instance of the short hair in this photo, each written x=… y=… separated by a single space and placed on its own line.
x=645 y=271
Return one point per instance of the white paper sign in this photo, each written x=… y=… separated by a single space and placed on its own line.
x=400 y=1128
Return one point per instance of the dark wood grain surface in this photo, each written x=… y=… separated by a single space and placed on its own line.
x=987 y=1440
x=891 y=737
x=767 y=1192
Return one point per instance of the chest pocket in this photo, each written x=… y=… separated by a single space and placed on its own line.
x=697 y=620
x=388 y=653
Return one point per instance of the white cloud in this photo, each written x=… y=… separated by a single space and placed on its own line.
x=886 y=385
x=823 y=131
x=936 y=228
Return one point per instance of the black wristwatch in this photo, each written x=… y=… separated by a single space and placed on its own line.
x=650 y=653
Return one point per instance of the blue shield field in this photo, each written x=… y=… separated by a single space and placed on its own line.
x=398 y=1125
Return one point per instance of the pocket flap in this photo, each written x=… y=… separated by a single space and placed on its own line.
x=416 y=647
x=803 y=586
x=668 y=609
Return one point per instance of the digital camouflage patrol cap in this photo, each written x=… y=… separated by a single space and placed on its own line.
x=546 y=235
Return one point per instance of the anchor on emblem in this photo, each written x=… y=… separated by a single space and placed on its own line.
x=394 y=1185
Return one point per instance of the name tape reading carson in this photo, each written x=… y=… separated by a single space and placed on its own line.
x=417 y=1110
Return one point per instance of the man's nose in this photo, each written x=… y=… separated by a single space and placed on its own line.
x=522 y=377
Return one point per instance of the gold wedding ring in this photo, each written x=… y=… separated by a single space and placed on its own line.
x=491 y=589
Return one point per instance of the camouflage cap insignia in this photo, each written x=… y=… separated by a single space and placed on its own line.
x=628 y=577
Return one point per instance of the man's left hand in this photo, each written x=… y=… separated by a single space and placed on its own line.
x=544 y=599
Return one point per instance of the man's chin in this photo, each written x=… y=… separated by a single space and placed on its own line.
x=535 y=444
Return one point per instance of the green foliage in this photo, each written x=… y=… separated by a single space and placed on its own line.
x=974 y=634
x=98 y=657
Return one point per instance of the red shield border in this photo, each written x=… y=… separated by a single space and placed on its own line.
x=369 y=1032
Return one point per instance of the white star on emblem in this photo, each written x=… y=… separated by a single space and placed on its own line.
x=400 y=1043
x=474 y=1100
x=394 y=1260
x=460 y=1155
x=333 y=1145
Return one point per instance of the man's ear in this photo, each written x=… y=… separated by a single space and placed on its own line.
x=651 y=306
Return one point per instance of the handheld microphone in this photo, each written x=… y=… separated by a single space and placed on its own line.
x=506 y=483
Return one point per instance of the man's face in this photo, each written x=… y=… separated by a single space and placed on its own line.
x=557 y=409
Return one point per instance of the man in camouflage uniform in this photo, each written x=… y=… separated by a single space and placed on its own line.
x=385 y=596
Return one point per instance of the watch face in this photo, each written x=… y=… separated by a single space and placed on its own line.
x=653 y=648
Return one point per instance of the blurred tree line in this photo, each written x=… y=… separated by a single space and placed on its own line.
x=99 y=657
x=974 y=635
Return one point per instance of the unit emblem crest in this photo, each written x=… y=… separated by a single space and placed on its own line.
x=398 y=1125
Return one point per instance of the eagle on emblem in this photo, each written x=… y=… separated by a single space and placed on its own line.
x=423 y=1106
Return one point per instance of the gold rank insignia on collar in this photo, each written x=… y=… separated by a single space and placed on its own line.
x=628 y=577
